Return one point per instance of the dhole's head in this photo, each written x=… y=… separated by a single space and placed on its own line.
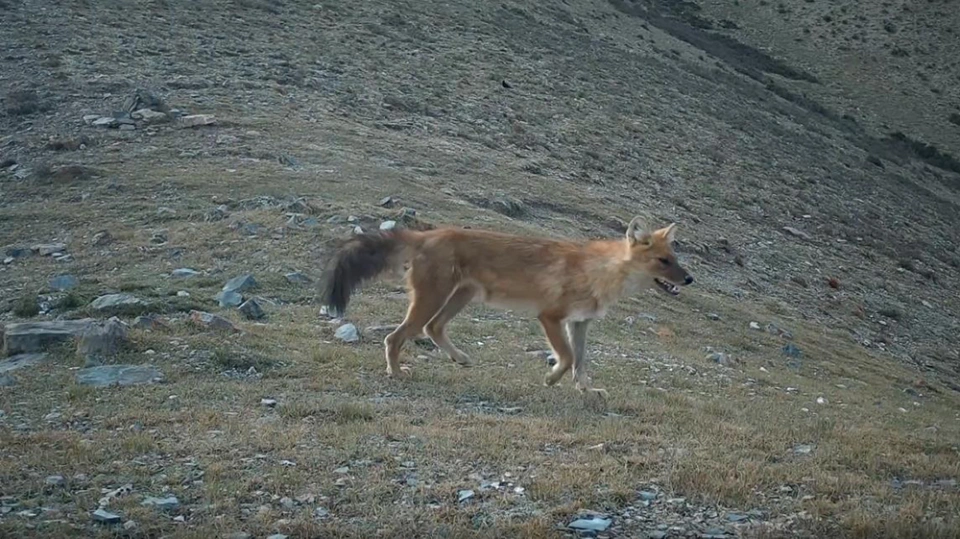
x=651 y=253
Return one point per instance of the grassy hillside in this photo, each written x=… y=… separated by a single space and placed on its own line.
x=805 y=386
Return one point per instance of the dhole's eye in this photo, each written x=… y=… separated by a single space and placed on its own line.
x=665 y=261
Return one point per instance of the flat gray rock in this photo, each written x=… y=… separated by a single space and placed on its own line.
x=64 y=282
x=347 y=333
x=295 y=277
x=168 y=503
x=228 y=298
x=240 y=283
x=7 y=381
x=595 y=524
x=28 y=337
x=103 y=340
x=120 y=375
x=106 y=517
x=251 y=310
x=184 y=273
x=20 y=361
x=212 y=321
x=115 y=301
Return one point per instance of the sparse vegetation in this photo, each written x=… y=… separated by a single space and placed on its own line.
x=27 y=306
x=804 y=386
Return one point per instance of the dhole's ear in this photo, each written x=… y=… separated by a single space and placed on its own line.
x=636 y=232
x=669 y=232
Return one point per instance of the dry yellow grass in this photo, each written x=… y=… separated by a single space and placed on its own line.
x=607 y=125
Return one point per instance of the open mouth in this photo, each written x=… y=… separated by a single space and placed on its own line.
x=667 y=287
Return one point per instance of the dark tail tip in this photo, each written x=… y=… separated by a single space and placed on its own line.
x=358 y=259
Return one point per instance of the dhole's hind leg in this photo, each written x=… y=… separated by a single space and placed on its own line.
x=577 y=331
x=436 y=327
x=553 y=328
x=425 y=302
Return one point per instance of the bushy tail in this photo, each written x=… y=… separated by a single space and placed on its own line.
x=359 y=259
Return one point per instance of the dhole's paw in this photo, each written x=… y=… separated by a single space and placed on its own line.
x=463 y=360
x=403 y=372
x=552 y=378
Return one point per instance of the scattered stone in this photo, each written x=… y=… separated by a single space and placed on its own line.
x=386 y=202
x=239 y=535
x=127 y=127
x=737 y=517
x=148 y=321
x=388 y=225
x=159 y=236
x=295 y=277
x=103 y=340
x=251 y=310
x=240 y=283
x=111 y=302
x=169 y=503
x=647 y=495
x=121 y=375
x=321 y=513
x=106 y=517
x=31 y=337
x=228 y=298
x=795 y=232
x=130 y=525
x=90 y=118
x=713 y=316
x=347 y=333
x=803 y=449
x=212 y=321
x=719 y=358
x=773 y=329
x=464 y=495
x=821 y=400
x=269 y=403
x=21 y=361
x=7 y=380
x=48 y=249
x=184 y=273
x=149 y=116
x=591 y=523
x=105 y=121
x=800 y=281
x=54 y=480
x=102 y=238
x=277 y=536
x=288 y=161
x=791 y=350
x=754 y=325
x=64 y=282
x=8 y=260
x=17 y=252
x=197 y=120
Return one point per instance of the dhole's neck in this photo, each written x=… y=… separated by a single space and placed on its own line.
x=613 y=273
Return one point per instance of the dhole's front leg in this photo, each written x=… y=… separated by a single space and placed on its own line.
x=553 y=329
x=577 y=332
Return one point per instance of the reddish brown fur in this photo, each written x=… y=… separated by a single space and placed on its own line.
x=566 y=283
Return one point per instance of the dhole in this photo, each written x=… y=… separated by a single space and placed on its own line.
x=565 y=283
